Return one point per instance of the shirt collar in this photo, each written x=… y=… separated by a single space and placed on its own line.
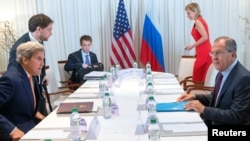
x=226 y=72
x=32 y=38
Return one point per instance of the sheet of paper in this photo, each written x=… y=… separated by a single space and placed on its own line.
x=185 y=129
x=50 y=134
x=87 y=90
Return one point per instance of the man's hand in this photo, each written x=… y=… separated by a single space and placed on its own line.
x=17 y=134
x=195 y=105
x=39 y=116
x=186 y=97
x=45 y=81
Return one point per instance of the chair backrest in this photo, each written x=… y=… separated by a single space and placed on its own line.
x=210 y=76
x=186 y=67
x=64 y=75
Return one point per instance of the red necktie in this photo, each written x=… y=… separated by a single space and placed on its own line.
x=33 y=92
x=217 y=88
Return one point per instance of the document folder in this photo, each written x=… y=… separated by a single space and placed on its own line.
x=83 y=107
x=171 y=106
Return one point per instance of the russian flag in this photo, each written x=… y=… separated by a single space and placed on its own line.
x=151 y=45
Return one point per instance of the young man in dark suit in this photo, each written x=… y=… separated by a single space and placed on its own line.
x=83 y=59
x=19 y=94
x=40 y=29
x=231 y=104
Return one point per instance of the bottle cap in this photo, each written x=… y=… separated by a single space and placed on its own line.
x=150 y=83
x=106 y=94
x=151 y=98
x=152 y=120
x=74 y=109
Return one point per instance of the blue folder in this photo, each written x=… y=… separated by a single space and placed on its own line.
x=171 y=106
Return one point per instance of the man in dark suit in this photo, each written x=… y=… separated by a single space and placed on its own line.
x=82 y=59
x=19 y=98
x=40 y=29
x=231 y=104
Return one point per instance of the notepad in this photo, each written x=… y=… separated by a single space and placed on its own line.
x=83 y=107
x=171 y=106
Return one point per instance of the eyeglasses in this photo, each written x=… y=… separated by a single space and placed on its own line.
x=217 y=53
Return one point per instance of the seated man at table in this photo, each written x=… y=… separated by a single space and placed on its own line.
x=82 y=61
x=229 y=103
x=19 y=98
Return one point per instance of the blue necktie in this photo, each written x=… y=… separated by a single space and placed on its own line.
x=87 y=60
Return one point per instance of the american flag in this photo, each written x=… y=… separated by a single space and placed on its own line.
x=122 y=50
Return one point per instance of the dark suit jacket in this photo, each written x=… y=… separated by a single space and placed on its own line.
x=233 y=104
x=12 y=61
x=75 y=61
x=16 y=101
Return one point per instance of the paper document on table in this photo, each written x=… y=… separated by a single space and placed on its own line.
x=83 y=96
x=169 y=91
x=163 y=75
x=95 y=75
x=91 y=82
x=87 y=90
x=48 y=134
x=166 y=87
x=183 y=129
x=156 y=82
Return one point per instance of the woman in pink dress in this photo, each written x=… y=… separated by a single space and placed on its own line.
x=202 y=43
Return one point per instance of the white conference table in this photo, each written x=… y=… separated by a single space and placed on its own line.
x=122 y=127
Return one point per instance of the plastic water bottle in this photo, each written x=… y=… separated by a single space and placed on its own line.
x=151 y=107
x=101 y=87
x=75 y=125
x=135 y=65
x=149 y=77
x=109 y=80
x=106 y=106
x=113 y=72
x=117 y=67
x=149 y=89
x=148 y=67
x=154 y=132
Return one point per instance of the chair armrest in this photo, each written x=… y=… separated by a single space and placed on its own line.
x=195 y=87
x=184 y=83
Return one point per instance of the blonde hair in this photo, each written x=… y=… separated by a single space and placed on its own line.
x=27 y=50
x=194 y=7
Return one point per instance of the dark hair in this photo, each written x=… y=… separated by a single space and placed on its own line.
x=39 y=20
x=230 y=43
x=86 y=38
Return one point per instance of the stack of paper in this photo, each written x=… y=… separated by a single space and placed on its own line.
x=95 y=75
x=183 y=129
